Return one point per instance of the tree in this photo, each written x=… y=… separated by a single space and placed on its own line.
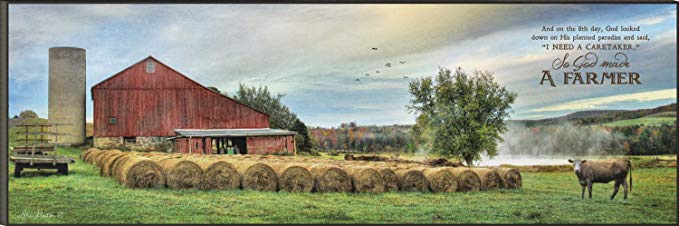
x=466 y=112
x=28 y=114
x=261 y=99
x=302 y=138
x=214 y=89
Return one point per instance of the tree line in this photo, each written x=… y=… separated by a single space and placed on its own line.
x=648 y=140
x=364 y=139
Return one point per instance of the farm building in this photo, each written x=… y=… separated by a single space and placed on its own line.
x=149 y=105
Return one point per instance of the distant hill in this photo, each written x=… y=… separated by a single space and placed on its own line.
x=605 y=116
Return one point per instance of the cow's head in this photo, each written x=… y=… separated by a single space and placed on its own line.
x=577 y=165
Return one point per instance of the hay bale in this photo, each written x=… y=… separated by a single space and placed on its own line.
x=257 y=176
x=467 y=180
x=390 y=179
x=490 y=179
x=293 y=177
x=96 y=160
x=87 y=152
x=511 y=178
x=328 y=178
x=218 y=174
x=104 y=156
x=440 y=180
x=92 y=155
x=366 y=179
x=181 y=173
x=107 y=167
x=411 y=180
x=141 y=172
x=116 y=169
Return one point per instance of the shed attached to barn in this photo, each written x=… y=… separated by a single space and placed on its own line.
x=149 y=105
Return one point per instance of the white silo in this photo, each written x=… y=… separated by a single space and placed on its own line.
x=67 y=94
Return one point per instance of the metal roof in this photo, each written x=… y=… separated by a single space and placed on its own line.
x=232 y=132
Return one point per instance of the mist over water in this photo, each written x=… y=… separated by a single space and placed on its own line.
x=553 y=144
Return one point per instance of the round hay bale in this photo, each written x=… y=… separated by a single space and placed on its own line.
x=366 y=179
x=181 y=173
x=104 y=156
x=116 y=169
x=467 y=180
x=390 y=179
x=140 y=172
x=87 y=152
x=411 y=180
x=218 y=174
x=97 y=159
x=91 y=158
x=292 y=177
x=328 y=178
x=107 y=168
x=92 y=155
x=511 y=178
x=159 y=158
x=490 y=179
x=440 y=180
x=257 y=176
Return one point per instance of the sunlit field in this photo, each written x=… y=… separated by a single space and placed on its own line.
x=546 y=197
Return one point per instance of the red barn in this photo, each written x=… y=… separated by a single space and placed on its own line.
x=149 y=105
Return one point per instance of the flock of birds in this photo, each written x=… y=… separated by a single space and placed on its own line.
x=388 y=65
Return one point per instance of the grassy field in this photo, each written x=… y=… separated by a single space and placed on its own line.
x=654 y=119
x=85 y=197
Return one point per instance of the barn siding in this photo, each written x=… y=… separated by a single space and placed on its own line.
x=155 y=104
x=259 y=145
x=182 y=145
x=270 y=145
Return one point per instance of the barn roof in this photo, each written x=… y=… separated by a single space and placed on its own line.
x=178 y=73
x=232 y=132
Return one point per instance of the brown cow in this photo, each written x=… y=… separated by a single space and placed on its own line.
x=589 y=172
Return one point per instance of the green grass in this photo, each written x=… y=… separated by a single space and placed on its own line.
x=648 y=120
x=667 y=114
x=85 y=197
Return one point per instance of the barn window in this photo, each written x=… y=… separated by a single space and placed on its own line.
x=150 y=67
x=112 y=121
x=130 y=139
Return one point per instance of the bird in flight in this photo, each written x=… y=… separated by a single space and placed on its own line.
x=405 y=77
x=358 y=79
x=374 y=48
x=388 y=65
x=402 y=62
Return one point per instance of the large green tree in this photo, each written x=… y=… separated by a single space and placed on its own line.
x=465 y=113
x=28 y=114
x=302 y=138
x=280 y=116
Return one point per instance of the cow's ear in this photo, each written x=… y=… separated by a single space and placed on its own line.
x=570 y=160
x=583 y=161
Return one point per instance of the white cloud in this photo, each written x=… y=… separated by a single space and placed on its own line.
x=656 y=19
x=306 y=51
x=601 y=102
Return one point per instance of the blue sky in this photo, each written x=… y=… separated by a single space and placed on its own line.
x=313 y=53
